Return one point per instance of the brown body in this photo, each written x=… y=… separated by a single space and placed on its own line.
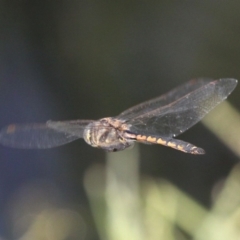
x=113 y=135
x=108 y=134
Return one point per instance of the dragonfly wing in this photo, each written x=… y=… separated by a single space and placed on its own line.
x=165 y=99
x=176 y=117
x=74 y=127
x=39 y=136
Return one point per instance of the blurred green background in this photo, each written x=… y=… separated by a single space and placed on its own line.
x=63 y=60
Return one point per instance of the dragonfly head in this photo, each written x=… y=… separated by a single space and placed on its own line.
x=107 y=134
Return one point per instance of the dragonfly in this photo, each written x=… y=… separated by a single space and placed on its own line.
x=157 y=121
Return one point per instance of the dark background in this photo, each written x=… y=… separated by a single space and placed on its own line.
x=63 y=60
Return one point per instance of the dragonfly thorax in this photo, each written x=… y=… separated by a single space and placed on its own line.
x=108 y=134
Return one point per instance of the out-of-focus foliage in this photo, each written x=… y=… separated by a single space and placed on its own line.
x=156 y=209
x=90 y=59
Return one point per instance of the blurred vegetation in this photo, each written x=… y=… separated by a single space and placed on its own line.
x=88 y=59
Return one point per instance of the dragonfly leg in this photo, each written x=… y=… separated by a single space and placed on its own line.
x=171 y=142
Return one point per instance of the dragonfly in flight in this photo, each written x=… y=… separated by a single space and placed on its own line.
x=157 y=121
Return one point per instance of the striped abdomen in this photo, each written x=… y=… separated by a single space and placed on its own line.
x=171 y=142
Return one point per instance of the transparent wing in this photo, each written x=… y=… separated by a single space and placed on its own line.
x=38 y=136
x=164 y=100
x=73 y=127
x=180 y=115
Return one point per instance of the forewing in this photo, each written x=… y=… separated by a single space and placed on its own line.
x=74 y=127
x=178 y=116
x=39 y=136
x=164 y=100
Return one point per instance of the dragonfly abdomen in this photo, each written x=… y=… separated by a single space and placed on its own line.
x=171 y=142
